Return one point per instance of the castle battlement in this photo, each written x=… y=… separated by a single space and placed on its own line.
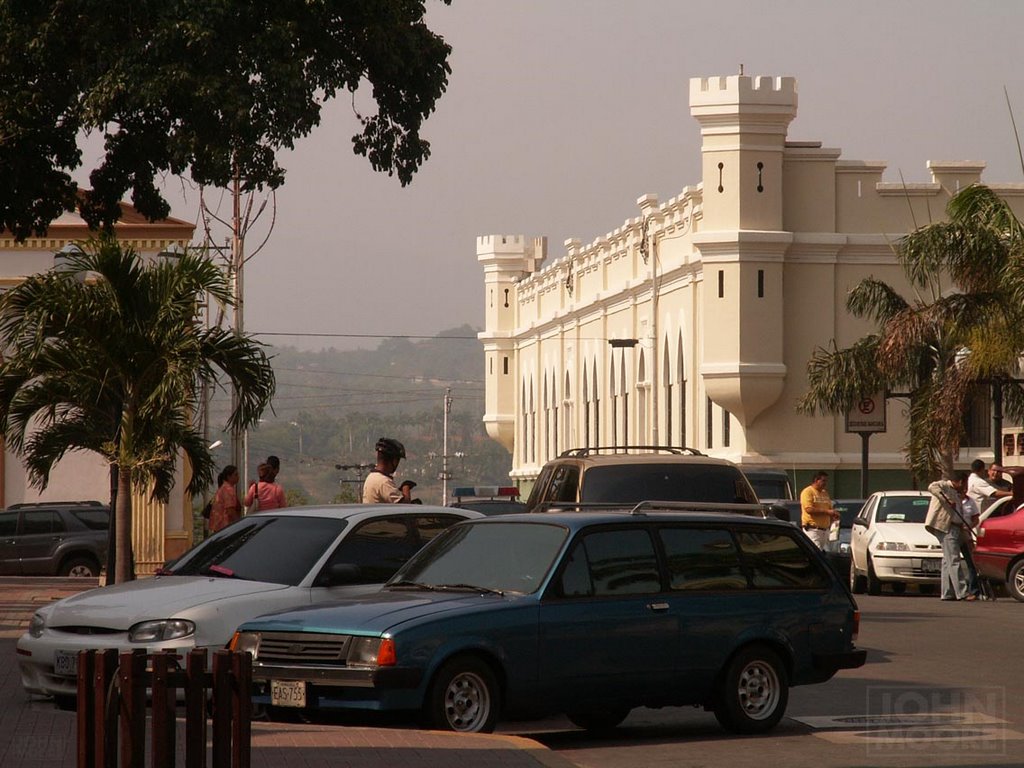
x=743 y=89
x=500 y=244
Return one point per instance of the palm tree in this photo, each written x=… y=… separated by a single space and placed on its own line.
x=108 y=354
x=962 y=327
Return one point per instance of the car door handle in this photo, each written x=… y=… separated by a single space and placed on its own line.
x=658 y=606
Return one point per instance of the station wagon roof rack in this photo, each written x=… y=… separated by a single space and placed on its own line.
x=576 y=453
x=28 y=504
x=649 y=506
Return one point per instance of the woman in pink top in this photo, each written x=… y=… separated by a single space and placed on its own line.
x=225 y=508
x=269 y=493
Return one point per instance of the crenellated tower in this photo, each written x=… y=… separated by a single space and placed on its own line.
x=744 y=121
x=506 y=259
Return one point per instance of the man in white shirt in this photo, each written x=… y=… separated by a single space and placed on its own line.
x=980 y=490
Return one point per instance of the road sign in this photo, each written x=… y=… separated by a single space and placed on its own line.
x=867 y=414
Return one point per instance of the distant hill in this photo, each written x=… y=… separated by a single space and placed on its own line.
x=340 y=402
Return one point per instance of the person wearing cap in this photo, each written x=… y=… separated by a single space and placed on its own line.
x=379 y=487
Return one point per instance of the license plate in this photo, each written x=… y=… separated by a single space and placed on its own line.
x=65 y=663
x=288 y=693
x=931 y=565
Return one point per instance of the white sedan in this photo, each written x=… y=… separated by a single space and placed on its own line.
x=265 y=562
x=889 y=544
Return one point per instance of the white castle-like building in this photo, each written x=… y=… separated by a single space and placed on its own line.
x=692 y=323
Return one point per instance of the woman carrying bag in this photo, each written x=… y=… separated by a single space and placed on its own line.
x=264 y=494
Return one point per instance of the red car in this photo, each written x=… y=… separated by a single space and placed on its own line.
x=999 y=555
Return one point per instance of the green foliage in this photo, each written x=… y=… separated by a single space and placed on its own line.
x=212 y=89
x=963 y=327
x=108 y=354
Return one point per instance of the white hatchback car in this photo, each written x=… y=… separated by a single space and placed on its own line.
x=269 y=561
x=889 y=544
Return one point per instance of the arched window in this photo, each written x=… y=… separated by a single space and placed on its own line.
x=586 y=408
x=624 y=386
x=567 y=420
x=666 y=378
x=614 y=393
x=681 y=394
x=525 y=426
x=545 y=438
x=641 y=401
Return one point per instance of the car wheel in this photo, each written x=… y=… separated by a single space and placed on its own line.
x=857 y=581
x=874 y=585
x=753 y=691
x=67 y=702
x=899 y=587
x=463 y=697
x=80 y=568
x=598 y=720
x=1015 y=581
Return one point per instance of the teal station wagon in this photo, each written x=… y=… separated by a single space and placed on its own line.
x=587 y=614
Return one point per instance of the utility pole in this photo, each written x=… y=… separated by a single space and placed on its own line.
x=445 y=474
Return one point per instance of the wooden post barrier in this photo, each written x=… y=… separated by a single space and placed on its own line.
x=112 y=694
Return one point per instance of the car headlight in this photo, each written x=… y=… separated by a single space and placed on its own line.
x=246 y=642
x=36 y=625
x=371 y=652
x=892 y=546
x=159 y=630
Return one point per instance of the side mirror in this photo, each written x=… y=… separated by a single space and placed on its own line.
x=861 y=521
x=339 y=574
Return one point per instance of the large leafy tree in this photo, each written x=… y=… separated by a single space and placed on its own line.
x=108 y=354
x=962 y=326
x=206 y=88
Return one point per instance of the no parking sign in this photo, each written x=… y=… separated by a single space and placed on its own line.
x=867 y=414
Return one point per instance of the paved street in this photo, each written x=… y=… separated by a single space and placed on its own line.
x=943 y=687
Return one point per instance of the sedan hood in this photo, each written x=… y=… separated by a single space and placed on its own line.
x=163 y=597
x=373 y=614
x=911 y=534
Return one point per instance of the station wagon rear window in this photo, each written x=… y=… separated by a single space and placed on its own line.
x=776 y=561
x=667 y=482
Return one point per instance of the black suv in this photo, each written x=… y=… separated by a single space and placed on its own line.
x=631 y=474
x=63 y=538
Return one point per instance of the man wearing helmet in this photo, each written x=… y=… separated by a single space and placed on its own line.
x=379 y=487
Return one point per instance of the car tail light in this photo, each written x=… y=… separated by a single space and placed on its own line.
x=856 y=625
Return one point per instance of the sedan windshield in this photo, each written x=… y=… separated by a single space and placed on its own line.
x=278 y=550
x=501 y=557
x=902 y=509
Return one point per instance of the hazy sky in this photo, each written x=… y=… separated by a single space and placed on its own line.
x=561 y=113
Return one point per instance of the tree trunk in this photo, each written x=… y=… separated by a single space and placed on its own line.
x=123 y=522
x=112 y=531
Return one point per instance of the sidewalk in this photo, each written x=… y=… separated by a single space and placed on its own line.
x=34 y=734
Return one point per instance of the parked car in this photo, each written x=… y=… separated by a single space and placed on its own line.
x=66 y=538
x=770 y=484
x=889 y=544
x=838 y=550
x=618 y=475
x=273 y=560
x=999 y=554
x=488 y=499
x=586 y=613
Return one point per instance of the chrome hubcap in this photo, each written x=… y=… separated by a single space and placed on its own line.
x=758 y=690
x=467 y=702
x=80 y=572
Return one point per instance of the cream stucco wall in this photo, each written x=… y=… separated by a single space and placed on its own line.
x=746 y=273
